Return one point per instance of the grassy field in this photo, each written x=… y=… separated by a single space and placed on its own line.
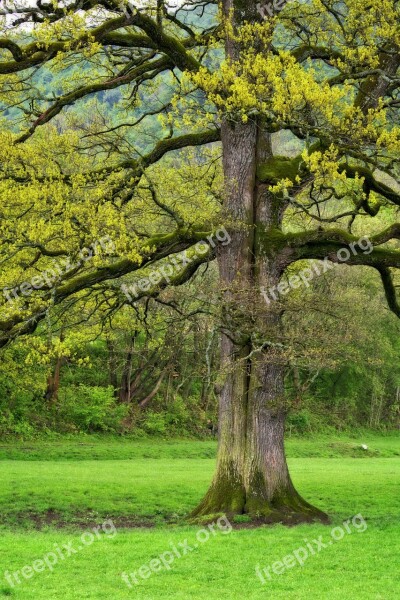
x=54 y=492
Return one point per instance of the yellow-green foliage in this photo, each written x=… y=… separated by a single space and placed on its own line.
x=70 y=184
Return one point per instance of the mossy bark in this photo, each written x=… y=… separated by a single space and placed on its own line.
x=252 y=475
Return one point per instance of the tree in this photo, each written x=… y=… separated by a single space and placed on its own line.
x=326 y=72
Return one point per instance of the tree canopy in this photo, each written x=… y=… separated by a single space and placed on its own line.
x=75 y=171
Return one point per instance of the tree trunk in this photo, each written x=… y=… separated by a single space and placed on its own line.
x=125 y=389
x=252 y=476
x=143 y=403
x=113 y=366
x=53 y=380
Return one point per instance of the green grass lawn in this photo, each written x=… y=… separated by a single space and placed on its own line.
x=52 y=492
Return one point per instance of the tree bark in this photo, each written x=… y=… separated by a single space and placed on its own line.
x=53 y=380
x=252 y=475
x=143 y=403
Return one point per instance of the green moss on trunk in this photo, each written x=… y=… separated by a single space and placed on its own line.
x=227 y=494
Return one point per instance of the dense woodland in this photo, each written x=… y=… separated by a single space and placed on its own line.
x=154 y=371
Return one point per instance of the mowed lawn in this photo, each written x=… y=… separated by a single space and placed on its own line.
x=53 y=492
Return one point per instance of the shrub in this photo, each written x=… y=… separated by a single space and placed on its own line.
x=154 y=423
x=91 y=408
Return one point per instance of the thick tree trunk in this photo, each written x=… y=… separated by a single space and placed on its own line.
x=252 y=476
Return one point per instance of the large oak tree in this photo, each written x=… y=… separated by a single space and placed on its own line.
x=324 y=71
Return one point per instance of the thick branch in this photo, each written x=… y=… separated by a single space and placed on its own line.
x=151 y=68
x=161 y=247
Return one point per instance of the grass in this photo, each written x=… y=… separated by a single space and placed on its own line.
x=63 y=483
x=116 y=448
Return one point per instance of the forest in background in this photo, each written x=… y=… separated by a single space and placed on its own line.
x=153 y=369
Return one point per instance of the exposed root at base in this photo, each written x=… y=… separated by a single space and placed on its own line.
x=288 y=510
